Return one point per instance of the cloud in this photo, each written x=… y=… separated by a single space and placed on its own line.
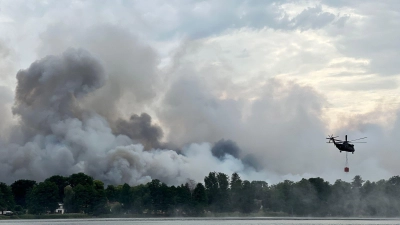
x=190 y=74
x=313 y=18
x=368 y=33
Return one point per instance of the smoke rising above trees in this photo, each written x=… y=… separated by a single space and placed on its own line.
x=62 y=130
x=56 y=135
x=120 y=118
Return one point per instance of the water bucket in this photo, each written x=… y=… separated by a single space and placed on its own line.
x=346 y=169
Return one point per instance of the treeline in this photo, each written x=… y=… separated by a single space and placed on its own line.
x=219 y=193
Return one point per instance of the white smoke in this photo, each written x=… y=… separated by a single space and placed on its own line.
x=57 y=136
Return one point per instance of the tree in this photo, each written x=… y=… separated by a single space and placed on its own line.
x=212 y=189
x=223 y=199
x=126 y=197
x=247 y=195
x=21 y=189
x=112 y=193
x=236 y=188
x=199 y=198
x=80 y=178
x=357 y=182
x=61 y=183
x=323 y=191
x=6 y=198
x=43 y=198
x=99 y=198
x=161 y=197
x=69 y=199
x=184 y=198
x=340 y=200
x=141 y=198
x=83 y=198
x=305 y=200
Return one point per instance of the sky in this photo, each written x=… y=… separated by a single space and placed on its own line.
x=176 y=89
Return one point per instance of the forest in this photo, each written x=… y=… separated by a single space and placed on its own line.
x=218 y=194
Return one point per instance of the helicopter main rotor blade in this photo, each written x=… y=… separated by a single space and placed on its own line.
x=358 y=139
x=356 y=142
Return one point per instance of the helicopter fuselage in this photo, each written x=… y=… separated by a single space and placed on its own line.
x=345 y=146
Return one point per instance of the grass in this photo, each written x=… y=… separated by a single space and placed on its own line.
x=51 y=216
x=82 y=216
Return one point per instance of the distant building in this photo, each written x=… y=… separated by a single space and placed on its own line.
x=6 y=213
x=60 y=209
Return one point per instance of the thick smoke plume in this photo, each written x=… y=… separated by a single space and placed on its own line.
x=140 y=128
x=71 y=109
x=48 y=90
x=223 y=147
x=55 y=135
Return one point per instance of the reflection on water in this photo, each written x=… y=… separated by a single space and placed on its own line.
x=200 y=221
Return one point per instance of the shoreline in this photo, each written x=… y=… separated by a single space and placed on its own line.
x=175 y=218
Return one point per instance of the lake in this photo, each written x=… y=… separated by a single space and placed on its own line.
x=200 y=221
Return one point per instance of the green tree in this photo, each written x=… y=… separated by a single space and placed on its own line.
x=99 y=205
x=112 y=193
x=184 y=199
x=61 y=183
x=83 y=198
x=223 y=199
x=199 y=199
x=161 y=197
x=68 y=200
x=212 y=190
x=43 y=198
x=305 y=198
x=357 y=182
x=141 y=198
x=247 y=196
x=80 y=178
x=21 y=189
x=323 y=191
x=126 y=197
x=6 y=198
x=236 y=188
x=341 y=199
x=285 y=196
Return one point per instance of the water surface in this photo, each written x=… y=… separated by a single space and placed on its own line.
x=200 y=221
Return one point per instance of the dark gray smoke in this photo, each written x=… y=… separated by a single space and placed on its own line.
x=47 y=92
x=223 y=147
x=131 y=66
x=139 y=128
x=56 y=134
x=252 y=161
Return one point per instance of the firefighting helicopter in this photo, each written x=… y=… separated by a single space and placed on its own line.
x=344 y=145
